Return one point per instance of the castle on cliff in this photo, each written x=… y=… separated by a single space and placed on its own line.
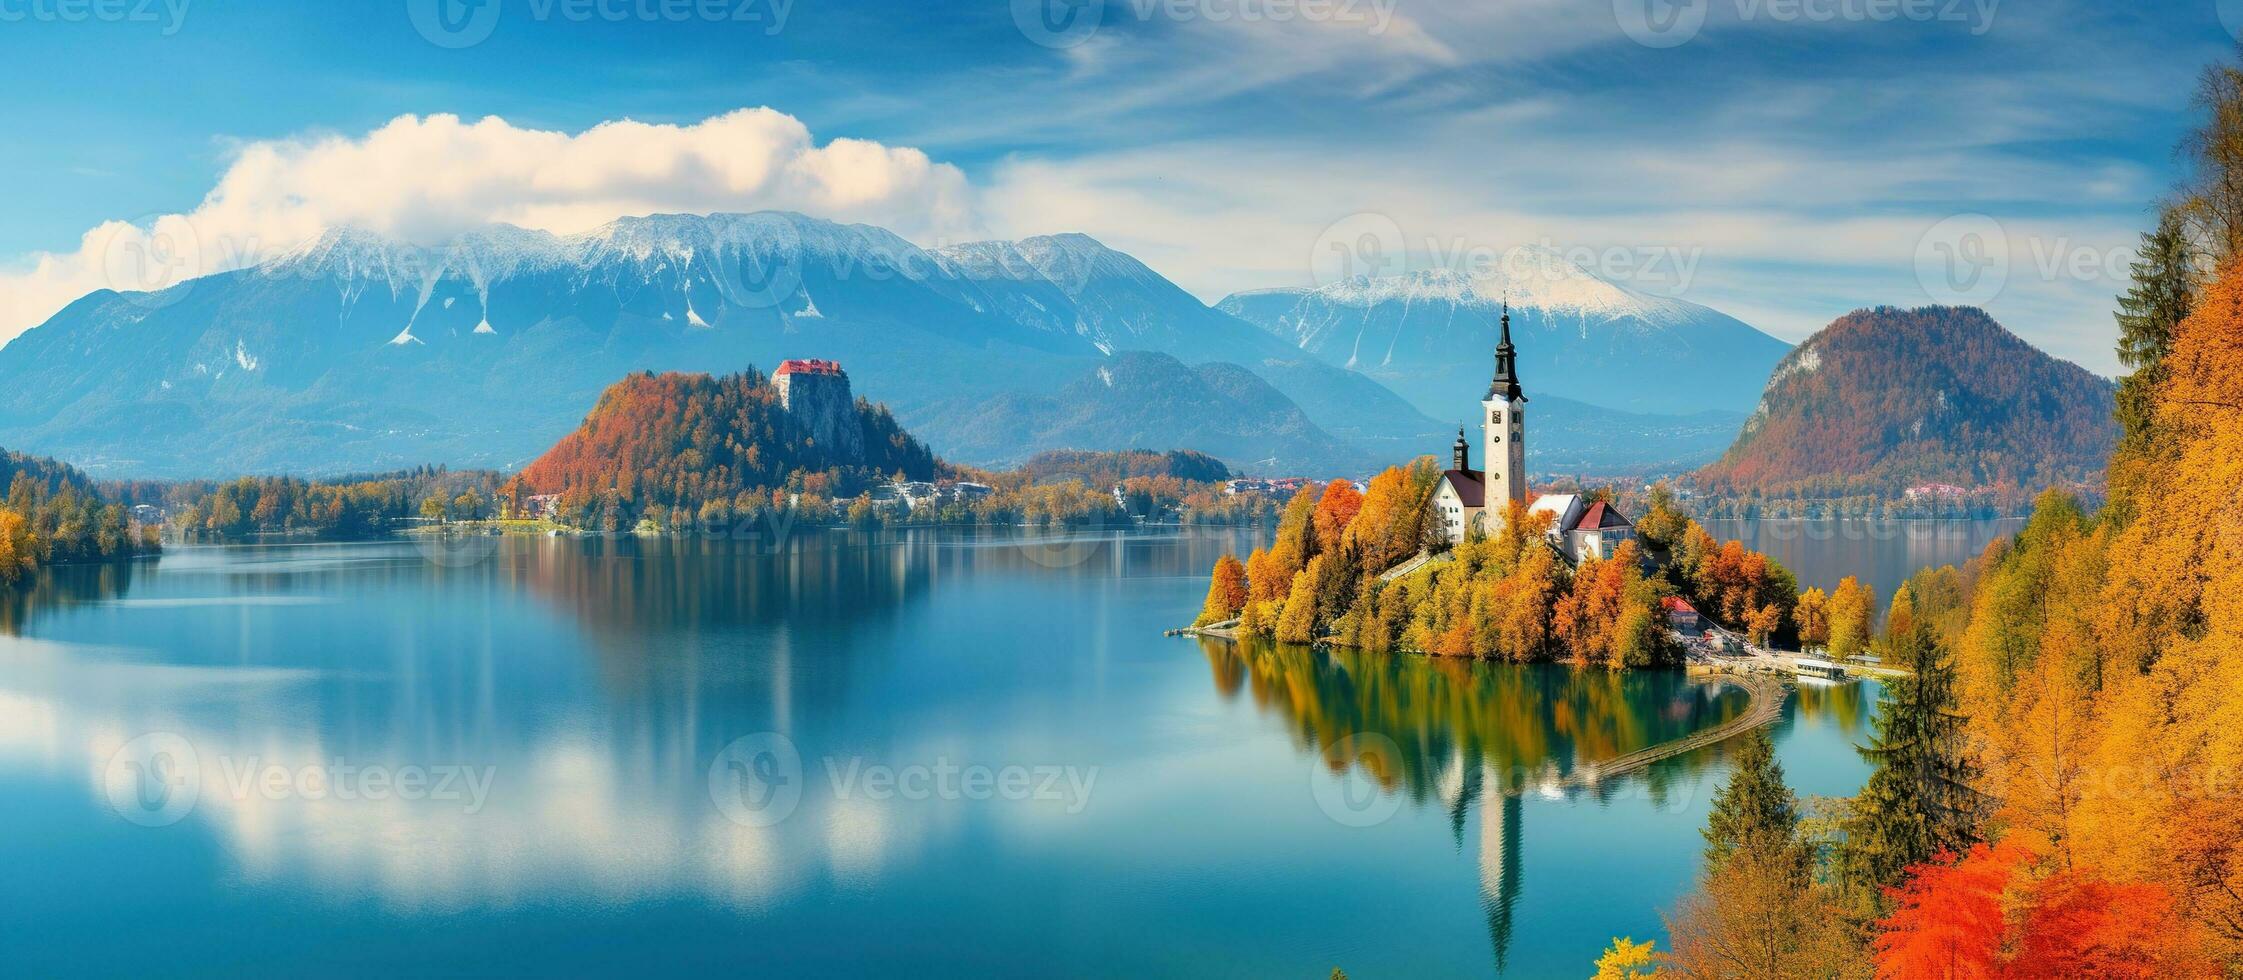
x=816 y=393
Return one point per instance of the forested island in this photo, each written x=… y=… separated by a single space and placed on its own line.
x=1513 y=596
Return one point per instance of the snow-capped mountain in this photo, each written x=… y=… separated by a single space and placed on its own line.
x=357 y=352
x=1429 y=335
x=1074 y=284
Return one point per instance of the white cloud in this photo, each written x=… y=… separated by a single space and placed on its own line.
x=425 y=178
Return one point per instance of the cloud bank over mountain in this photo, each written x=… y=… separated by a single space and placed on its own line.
x=428 y=178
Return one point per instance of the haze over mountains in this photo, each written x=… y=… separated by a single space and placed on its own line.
x=1580 y=337
x=354 y=353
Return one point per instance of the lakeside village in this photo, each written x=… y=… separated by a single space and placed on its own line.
x=1464 y=561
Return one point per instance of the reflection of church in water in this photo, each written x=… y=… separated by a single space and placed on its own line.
x=1465 y=787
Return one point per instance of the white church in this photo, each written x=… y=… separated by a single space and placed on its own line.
x=1472 y=501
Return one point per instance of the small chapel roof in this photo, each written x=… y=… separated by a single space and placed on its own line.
x=1470 y=488
x=1601 y=516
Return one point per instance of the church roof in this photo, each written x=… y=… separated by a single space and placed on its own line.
x=1602 y=516
x=1470 y=488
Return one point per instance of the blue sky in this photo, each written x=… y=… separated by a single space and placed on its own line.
x=1782 y=160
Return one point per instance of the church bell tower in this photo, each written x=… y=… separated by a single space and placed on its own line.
x=1506 y=427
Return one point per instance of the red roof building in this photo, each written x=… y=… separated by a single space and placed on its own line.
x=1600 y=517
x=808 y=366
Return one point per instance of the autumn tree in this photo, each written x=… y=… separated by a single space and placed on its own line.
x=2211 y=198
x=1266 y=579
x=1812 y=615
x=1627 y=959
x=1334 y=511
x=1900 y=619
x=1991 y=913
x=1947 y=918
x=1853 y=616
x=1663 y=520
x=1757 y=911
x=1296 y=540
x=15 y=547
x=1226 y=592
x=1296 y=623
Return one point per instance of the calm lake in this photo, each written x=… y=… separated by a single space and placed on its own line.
x=929 y=753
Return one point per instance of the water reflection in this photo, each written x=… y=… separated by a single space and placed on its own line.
x=1475 y=735
x=597 y=680
x=1524 y=728
x=1472 y=734
x=61 y=585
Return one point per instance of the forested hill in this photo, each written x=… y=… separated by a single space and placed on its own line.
x=684 y=440
x=1886 y=399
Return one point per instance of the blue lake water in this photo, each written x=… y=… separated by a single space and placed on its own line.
x=931 y=753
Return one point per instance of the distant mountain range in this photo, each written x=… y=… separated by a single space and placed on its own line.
x=1430 y=336
x=1885 y=399
x=354 y=352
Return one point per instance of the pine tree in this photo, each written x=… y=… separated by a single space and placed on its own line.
x=1920 y=801
x=1754 y=809
x=2163 y=293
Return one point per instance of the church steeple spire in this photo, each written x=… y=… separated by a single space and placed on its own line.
x=1506 y=383
x=1462 y=451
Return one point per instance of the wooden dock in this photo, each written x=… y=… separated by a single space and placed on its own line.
x=1768 y=693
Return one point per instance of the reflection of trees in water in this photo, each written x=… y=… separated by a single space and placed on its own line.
x=1525 y=725
x=61 y=585
x=1472 y=734
x=1846 y=707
